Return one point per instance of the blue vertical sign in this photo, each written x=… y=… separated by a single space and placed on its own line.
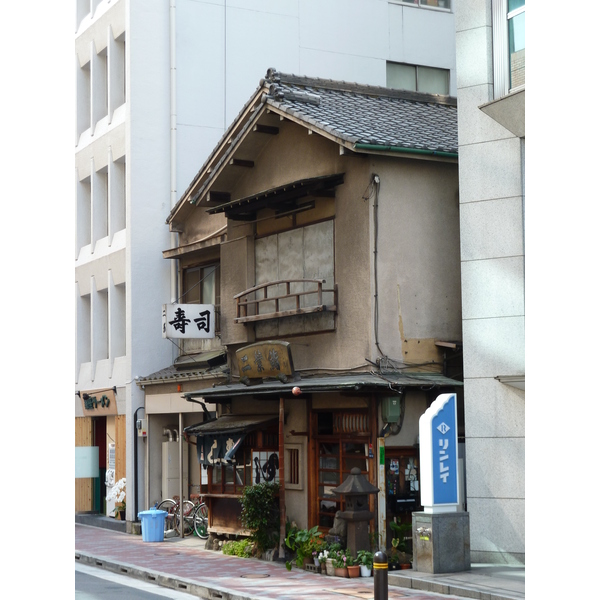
x=438 y=450
x=444 y=447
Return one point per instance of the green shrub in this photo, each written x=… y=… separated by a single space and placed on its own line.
x=260 y=514
x=241 y=548
x=304 y=542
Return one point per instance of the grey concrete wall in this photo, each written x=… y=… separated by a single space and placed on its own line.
x=492 y=273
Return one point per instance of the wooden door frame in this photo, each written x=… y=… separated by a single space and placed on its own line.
x=313 y=459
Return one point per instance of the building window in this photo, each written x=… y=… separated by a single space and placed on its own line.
x=445 y=4
x=414 y=78
x=201 y=285
x=509 y=46
x=301 y=253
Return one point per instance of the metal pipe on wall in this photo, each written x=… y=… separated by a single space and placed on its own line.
x=181 y=528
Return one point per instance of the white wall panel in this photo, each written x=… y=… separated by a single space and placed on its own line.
x=494 y=347
x=493 y=288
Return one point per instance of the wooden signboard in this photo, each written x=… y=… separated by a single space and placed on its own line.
x=265 y=360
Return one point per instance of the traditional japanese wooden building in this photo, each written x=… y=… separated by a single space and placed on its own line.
x=324 y=228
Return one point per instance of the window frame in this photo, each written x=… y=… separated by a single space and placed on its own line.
x=416 y=69
x=201 y=267
x=501 y=18
x=419 y=4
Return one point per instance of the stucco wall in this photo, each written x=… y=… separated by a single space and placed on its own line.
x=418 y=252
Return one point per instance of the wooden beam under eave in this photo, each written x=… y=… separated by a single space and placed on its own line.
x=218 y=197
x=258 y=128
x=238 y=162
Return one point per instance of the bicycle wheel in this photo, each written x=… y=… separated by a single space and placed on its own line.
x=188 y=518
x=203 y=510
x=169 y=507
x=201 y=521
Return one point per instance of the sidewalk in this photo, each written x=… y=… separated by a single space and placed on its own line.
x=186 y=566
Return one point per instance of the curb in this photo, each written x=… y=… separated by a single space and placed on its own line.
x=464 y=590
x=159 y=578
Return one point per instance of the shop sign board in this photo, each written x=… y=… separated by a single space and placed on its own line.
x=265 y=467
x=98 y=403
x=438 y=443
x=265 y=360
x=188 y=321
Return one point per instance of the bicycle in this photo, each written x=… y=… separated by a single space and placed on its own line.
x=195 y=516
x=173 y=518
x=200 y=517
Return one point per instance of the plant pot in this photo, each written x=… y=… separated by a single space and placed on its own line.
x=406 y=566
x=317 y=563
x=354 y=571
x=121 y=514
x=365 y=571
x=329 y=567
x=341 y=571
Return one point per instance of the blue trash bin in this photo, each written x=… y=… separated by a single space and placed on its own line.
x=153 y=525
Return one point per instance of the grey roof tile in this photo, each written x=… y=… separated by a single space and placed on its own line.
x=366 y=114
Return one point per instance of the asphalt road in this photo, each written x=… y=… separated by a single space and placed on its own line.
x=97 y=584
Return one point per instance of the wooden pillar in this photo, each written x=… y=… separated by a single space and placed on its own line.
x=281 y=482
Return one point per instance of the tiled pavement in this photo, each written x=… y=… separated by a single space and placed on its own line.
x=186 y=566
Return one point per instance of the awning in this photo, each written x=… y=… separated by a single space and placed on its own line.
x=360 y=382
x=219 y=439
x=283 y=197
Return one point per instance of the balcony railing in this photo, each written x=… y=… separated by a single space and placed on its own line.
x=290 y=303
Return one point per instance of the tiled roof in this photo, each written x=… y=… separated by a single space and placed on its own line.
x=360 y=117
x=360 y=114
x=174 y=375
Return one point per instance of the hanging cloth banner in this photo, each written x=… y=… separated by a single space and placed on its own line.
x=215 y=449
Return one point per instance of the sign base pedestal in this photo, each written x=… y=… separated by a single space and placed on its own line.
x=441 y=542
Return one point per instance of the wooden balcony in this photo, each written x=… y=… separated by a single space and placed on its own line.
x=255 y=304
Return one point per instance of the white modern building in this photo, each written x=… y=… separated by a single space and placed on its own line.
x=490 y=38
x=158 y=83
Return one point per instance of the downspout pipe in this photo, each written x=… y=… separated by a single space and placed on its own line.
x=135 y=463
x=173 y=134
x=421 y=151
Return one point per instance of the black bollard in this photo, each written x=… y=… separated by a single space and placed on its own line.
x=380 y=575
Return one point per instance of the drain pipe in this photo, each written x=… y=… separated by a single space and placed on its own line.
x=135 y=463
x=173 y=124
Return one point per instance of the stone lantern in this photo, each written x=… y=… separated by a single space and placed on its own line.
x=355 y=491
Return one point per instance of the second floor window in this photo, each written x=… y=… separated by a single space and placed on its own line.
x=508 y=19
x=414 y=78
x=200 y=285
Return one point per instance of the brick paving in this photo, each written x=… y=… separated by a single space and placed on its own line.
x=186 y=565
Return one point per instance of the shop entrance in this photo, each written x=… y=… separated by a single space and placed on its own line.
x=401 y=486
x=341 y=441
x=99 y=433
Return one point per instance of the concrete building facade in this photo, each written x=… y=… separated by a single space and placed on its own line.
x=491 y=134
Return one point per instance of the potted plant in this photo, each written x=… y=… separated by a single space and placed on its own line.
x=339 y=560
x=118 y=493
x=303 y=542
x=316 y=545
x=365 y=560
x=324 y=557
x=398 y=557
x=352 y=566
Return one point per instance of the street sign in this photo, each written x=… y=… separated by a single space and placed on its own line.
x=438 y=441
